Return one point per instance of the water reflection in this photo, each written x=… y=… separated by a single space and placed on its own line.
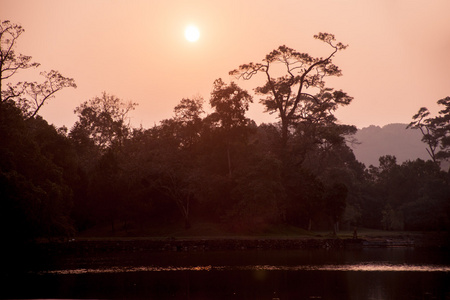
x=301 y=274
x=366 y=267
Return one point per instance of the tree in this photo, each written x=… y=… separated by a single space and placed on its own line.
x=391 y=219
x=435 y=131
x=105 y=189
x=103 y=121
x=10 y=63
x=426 y=197
x=257 y=195
x=175 y=157
x=427 y=131
x=98 y=137
x=293 y=95
x=304 y=198
x=34 y=95
x=186 y=124
x=173 y=167
x=412 y=196
x=29 y=96
x=140 y=164
x=230 y=103
x=189 y=111
x=36 y=170
x=335 y=202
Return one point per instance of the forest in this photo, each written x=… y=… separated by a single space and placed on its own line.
x=218 y=167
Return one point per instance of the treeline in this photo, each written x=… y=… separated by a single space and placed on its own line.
x=219 y=167
x=189 y=169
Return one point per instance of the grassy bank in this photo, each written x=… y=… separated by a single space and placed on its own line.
x=196 y=230
x=212 y=231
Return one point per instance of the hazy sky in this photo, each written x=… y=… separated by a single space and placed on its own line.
x=398 y=58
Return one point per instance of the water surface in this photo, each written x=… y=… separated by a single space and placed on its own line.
x=396 y=273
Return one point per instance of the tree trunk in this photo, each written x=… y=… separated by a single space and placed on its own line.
x=229 y=160
x=335 y=228
x=187 y=223
x=185 y=211
x=284 y=132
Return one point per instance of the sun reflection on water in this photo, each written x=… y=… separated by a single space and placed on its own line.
x=366 y=267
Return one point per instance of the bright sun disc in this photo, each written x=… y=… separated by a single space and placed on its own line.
x=191 y=33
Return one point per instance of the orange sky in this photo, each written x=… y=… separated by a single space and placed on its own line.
x=398 y=58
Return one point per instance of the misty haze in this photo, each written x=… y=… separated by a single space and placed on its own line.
x=212 y=150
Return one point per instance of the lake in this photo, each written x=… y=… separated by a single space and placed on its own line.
x=367 y=273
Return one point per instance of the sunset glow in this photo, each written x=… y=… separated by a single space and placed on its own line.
x=151 y=42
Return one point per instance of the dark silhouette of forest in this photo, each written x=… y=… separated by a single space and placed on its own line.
x=219 y=167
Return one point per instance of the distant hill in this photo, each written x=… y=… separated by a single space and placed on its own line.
x=393 y=139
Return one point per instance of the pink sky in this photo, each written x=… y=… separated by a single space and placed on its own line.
x=398 y=58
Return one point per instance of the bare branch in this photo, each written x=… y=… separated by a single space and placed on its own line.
x=41 y=93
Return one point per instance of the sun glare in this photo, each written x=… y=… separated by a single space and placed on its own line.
x=191 y=33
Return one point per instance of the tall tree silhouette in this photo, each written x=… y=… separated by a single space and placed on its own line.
x=293 y=94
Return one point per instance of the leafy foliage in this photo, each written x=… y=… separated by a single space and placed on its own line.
x=102 y=120
x=35 y=178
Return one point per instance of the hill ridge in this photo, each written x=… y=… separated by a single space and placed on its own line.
x=391 y=139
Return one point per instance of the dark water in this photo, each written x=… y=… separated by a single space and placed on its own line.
x=395 y=273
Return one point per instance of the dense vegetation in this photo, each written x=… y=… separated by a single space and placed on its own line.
x=219 y=167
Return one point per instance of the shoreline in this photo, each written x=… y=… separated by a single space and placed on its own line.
x=187 y=244
x=44 y=254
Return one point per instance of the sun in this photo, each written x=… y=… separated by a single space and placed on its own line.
x=191 y=33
